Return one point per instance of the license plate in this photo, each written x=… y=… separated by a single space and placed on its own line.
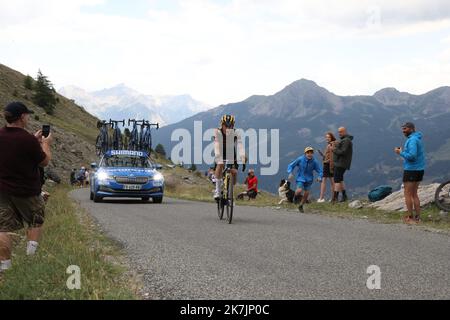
x=132 y=187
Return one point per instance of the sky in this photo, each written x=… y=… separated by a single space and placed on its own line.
x=224 y=51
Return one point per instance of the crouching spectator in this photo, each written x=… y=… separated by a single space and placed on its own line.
x=20 y=180
x=252 y=186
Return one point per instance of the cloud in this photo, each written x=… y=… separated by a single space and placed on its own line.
x=23 y=11
x=217 y=51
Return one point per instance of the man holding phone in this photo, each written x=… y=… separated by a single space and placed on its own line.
x=20 y=183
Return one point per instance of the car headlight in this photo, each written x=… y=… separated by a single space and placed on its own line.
x=158 y=177
x=103 y=176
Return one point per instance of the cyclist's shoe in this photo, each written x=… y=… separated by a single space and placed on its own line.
x=217 y=195
x=321 y=201
x=300 y=208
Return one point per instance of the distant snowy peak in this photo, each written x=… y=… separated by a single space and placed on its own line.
x=121 y=101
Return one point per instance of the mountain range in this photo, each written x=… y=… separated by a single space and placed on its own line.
x=303 y=112
x=122 y=102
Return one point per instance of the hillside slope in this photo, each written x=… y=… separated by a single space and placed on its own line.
x=74 y=130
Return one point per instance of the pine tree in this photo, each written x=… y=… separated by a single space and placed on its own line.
x=44 y=95
x=28 y=82
x=160 y=150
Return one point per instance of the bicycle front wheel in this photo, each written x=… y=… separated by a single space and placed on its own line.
x=442 y=196
x=230 y=199
x=220 y=208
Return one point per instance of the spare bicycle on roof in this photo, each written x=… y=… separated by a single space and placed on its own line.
x=138 y=139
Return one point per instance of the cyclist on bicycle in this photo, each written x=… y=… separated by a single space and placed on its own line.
x=227 y=147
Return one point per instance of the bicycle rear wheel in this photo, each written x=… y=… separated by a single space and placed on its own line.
x=230 y=199
x=442 y=196
x=117 y=145
x=105 y=142
x=98 y=146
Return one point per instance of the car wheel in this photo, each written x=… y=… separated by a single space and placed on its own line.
x=157 y=199
x=97 y=198
x=145 y=199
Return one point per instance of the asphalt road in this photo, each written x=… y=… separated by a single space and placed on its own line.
x=185 y=252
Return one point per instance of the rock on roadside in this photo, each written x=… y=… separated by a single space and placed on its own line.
x=396 y=200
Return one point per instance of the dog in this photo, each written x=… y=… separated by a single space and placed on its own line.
x=285 y=192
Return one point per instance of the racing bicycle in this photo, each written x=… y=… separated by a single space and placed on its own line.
x=133 y=144
x=442 y=196
x=146 y=136
x=102 y=142
x=117 y=134
x=227 y=197
x=141 y=139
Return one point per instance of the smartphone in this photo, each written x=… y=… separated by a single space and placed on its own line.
x=45 y=130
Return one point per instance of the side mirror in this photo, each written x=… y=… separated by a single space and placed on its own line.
x=94 y=165
x=158 y=166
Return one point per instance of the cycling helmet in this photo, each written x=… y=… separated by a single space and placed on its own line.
x=307 y=149
x=228 y=120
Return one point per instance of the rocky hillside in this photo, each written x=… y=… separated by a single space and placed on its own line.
x=74 y=130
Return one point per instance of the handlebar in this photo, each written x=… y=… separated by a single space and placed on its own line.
x=153 y=124
x=227 y=162
x=116 y=122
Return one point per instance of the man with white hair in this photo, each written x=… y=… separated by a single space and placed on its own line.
x=342 y=158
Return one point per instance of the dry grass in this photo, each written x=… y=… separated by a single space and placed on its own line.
x=70 y=238
x=200 y=189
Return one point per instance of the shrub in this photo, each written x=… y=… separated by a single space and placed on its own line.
x=44 y=95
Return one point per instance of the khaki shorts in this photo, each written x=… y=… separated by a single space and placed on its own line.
x=15 y=211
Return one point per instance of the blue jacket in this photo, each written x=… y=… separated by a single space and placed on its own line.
x=414 y=153
x=306 y=169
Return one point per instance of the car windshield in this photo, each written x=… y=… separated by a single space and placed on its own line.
x=127 y=161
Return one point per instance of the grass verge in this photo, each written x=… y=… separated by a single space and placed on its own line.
x=70 y=238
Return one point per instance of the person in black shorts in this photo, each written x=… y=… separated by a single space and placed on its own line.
x=228 y=148
x=413 y=154
x=22 y=203
x=342 y=158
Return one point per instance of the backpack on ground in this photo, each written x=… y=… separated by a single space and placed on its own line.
x=379 y=193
